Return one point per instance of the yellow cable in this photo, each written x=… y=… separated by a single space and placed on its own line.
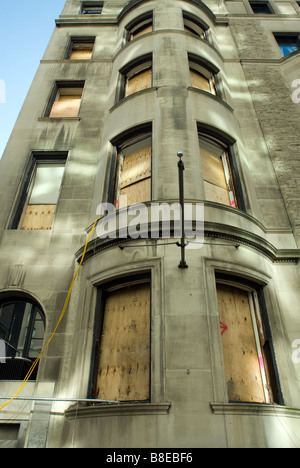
x=59 y=320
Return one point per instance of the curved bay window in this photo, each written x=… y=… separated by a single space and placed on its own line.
x=22 y=327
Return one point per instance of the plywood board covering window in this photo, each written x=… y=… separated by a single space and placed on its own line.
x=138 y=81
x=203 y=79
x=124 y=363
x=217 y=174
x=246 y=366
x=67 y=102
x=81 y=51
x=135 y=179
x=43 y=197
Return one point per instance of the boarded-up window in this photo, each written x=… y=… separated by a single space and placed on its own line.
x=140 y=27
x=123 y=372
x=134 y=174
x=81 y=50
x=67 y=102
x=43 y=196
x=217 y=172
x=247 y=366
x=202 y=78
x=136 y=81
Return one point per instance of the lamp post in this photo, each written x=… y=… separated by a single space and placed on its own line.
x=182 y=244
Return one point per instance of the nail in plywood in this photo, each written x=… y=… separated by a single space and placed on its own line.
x=124 y=366
x=242 y=366
x=38 y=217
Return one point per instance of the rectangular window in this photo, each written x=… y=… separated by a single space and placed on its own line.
x=92 y=8
x=217 y=172
x=42 y=195
x=288 y=43
x=202 y=78
x=248 y=367
x=81 y=49
x=261 y=8
x=122 y=371
x=67 y=100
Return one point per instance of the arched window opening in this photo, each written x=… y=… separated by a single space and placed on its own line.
x=22 y=327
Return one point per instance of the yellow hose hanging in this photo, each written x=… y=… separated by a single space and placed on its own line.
x=59 y=320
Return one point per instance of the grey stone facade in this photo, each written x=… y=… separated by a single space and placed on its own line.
x=254 y=113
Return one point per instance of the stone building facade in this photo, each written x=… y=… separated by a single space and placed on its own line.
x=149 y=354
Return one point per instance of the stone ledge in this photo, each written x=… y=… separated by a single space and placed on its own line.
x=122 y=409
x=254 y=409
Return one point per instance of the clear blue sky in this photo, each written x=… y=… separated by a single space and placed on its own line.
x=25 y=29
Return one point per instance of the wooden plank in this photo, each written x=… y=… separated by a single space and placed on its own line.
x=124 y=368
x=243 y=377
x=66 y=106
x=212 y=169
x=81 y=53
x=139 y=81
x=216 y=194
x=136 y=166
x=135 y=193
x=199 y=81
x=39 y=217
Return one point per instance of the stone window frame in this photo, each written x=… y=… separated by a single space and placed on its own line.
x=260 y=279
x=91 y=8
x=77 y=40
x=24 y=191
